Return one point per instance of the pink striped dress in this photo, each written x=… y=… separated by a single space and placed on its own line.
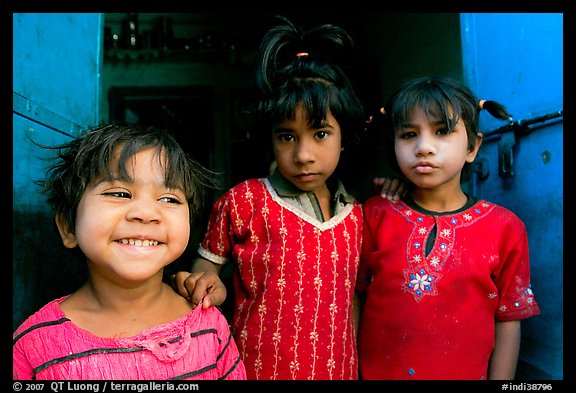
x=198 y=346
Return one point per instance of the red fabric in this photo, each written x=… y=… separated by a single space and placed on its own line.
x=477 y=273
x=294 y=283
x=197 y=346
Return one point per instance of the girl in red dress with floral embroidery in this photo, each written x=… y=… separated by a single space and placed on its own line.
x=295 y=236
x=445 y=277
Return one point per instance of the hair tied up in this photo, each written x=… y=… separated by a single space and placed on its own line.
x=495 y=109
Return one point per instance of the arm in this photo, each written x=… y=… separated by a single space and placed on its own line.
x=357 y=305
x=506 y=349
x=203 y=284
x=356 y=312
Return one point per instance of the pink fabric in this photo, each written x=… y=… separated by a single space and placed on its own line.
x=188 y=348
x=432 y=316
x=294 y=283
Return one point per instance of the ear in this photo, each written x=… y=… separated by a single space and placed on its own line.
x=471 y=156
x=68 y=237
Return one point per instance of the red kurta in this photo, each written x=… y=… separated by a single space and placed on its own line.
x=293 y=280
x=432 y=316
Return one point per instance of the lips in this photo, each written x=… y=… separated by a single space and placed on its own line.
x=425 y=167
x=307 y=177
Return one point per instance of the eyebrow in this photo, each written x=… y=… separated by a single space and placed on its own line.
x=323 y=124
x=113 y=179
x=278 y=130
x=408 y=124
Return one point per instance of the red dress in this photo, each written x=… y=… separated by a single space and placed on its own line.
x=431 y=316
x=293 y=280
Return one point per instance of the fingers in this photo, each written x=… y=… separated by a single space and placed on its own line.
x=179 y=284
x=215 y=296
x=378 y=182
x=197 y=286
x=390 y=188
x=200 y=287
x=206 y=287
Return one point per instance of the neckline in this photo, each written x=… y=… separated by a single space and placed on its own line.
x=409 y=201
x=321 y=225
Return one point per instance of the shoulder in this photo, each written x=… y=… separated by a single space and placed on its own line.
x=49 y=315
x=211 y=318
x=500 y=213
x=245 y=186
x=376 y=202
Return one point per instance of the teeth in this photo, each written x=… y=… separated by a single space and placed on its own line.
x=139 y=243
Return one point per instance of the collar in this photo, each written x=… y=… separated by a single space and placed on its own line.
x=286 y=189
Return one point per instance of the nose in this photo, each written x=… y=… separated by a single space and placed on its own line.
x=304 y=152
x=425 y=145
x=144 y=210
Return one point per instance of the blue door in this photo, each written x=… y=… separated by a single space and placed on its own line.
x=517 y=59
x=56 y=92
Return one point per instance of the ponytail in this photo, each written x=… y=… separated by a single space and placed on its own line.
x=495 y=109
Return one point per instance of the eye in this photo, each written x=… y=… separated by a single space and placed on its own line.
x=321 y=134
x=118 y=194
x=171 y=199
x=406 y=134
x=285 y=137
x=443 y=131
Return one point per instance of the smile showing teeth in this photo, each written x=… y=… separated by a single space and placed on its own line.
x=139 y=243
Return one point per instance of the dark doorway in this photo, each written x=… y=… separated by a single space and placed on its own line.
x=185 y=111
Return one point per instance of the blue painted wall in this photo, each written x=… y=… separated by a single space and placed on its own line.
x=56 y=92
x=517 y=59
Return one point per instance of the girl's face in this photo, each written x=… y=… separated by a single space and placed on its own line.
x=306 y=156
x=430 y=155
x=130 y=229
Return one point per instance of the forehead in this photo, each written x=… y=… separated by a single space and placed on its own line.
x=125 y=159
x=433 y=111
x=303 y=117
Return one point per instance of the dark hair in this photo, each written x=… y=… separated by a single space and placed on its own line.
x=92 y=156
x=441 y=98
x=308 y=66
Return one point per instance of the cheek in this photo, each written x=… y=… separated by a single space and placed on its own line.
x=88 y=219
x=91 y=224
x=282 y=156
x=336 y=158
x=400 y=153
x=183 y=231
x=179 y=235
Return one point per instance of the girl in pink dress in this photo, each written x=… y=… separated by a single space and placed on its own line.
x=125 y=197
x=295 y=236
x=445 y=276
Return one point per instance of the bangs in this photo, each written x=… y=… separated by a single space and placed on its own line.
x=315 y=95
x=438 y=105
x=112 y=163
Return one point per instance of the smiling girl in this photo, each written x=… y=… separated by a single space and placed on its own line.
x=125 y=197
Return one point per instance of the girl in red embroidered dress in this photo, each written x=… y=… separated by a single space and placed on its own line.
x=446 y=277
x=295 y=236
